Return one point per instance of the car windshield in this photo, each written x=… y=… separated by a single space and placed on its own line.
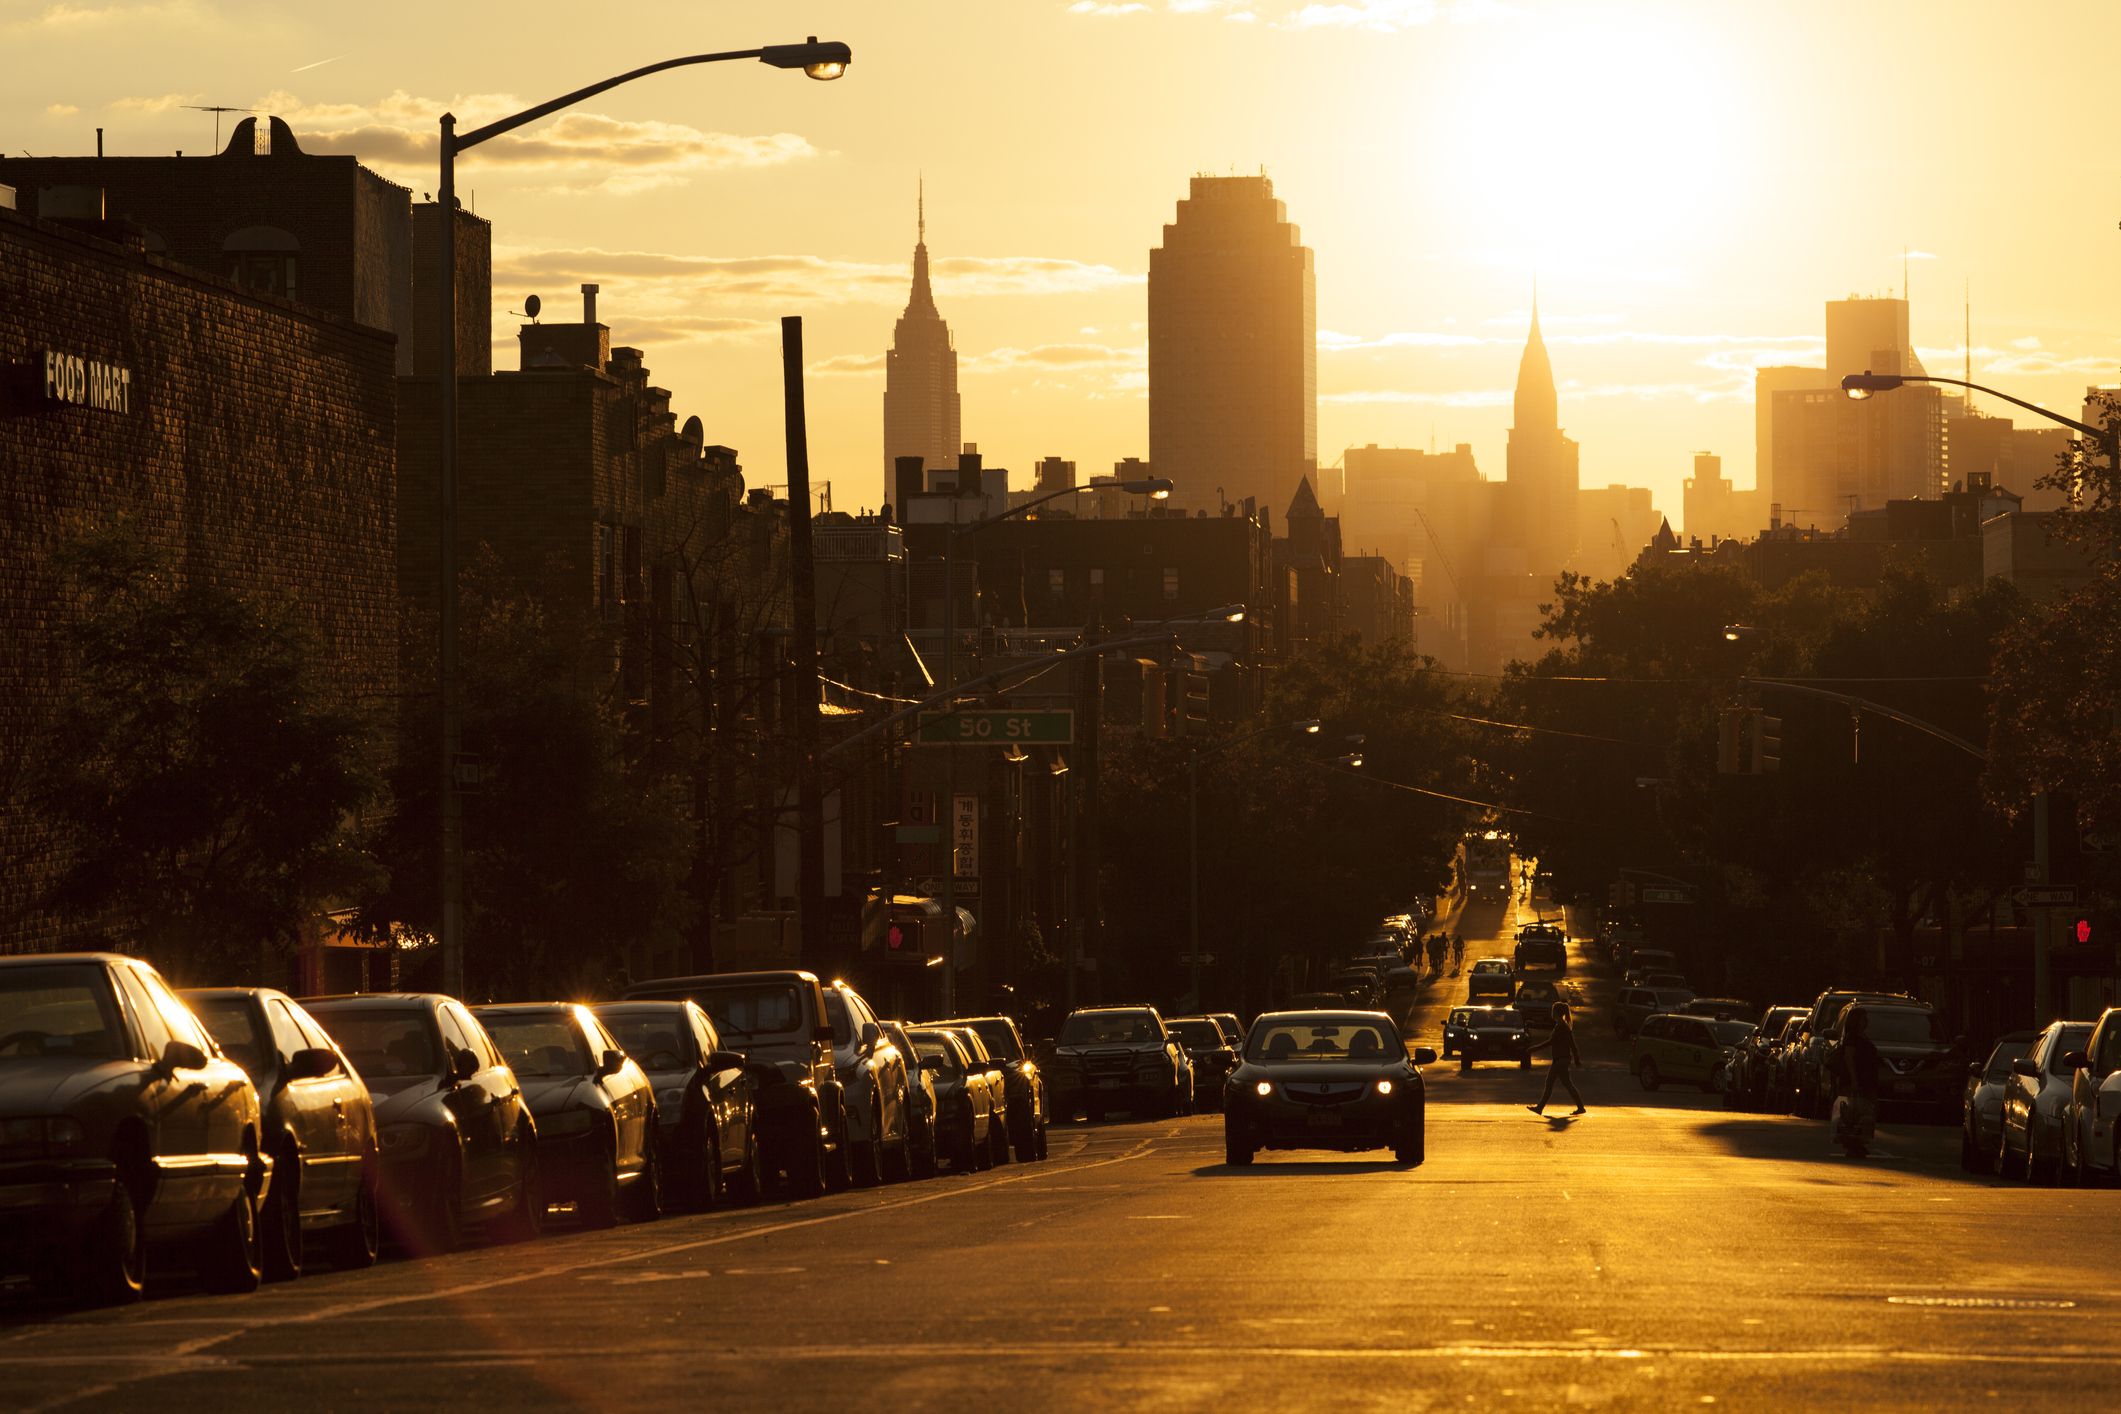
x=2069 y=1038
x=1461 y=1018
x=1091 y=1028
x=760 y=1009
x=235 y=1029
x=1903 y=1026
x=1490 y=965
x=1535 y=991
x=1731 y=1033
x=933 y=1048
x=384 y=1046
x=1493 y=1020
x=539 y=1044
x=999 y=1037
x=63 y=1009
x=1298 y=1040
x=1197 y=1034
x=659 y=1040
x=1999 y=1060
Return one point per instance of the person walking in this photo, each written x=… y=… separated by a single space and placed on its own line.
x=1562 y=1043
x=1458 y=953
x=1855 y=1112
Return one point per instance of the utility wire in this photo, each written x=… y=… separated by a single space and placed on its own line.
x=1548 y=731
x=1440 y=795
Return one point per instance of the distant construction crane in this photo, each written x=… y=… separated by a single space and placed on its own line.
x=1442 y=557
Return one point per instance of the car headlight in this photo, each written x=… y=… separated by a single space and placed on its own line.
x=671 y=1100
x=54 y=1135
x=404 y=1140
x=568 y=1122
x=1384 y=1087
x=1263 y=1089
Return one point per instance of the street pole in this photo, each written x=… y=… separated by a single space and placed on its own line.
x=1193 y=852
x=802 y=571
x=448 y=682
x=949 y=805
x=2042 y=933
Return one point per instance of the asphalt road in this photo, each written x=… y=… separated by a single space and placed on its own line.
x=1658 y=1252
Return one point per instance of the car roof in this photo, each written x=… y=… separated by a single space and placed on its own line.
x=216 y=993
x=525 y=1008
x=723 y=979
x=342 y=1000
x=1335 y=1013
x=1118 y=1009
x=32 y=958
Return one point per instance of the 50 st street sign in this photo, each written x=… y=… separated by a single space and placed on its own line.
x=999 y=727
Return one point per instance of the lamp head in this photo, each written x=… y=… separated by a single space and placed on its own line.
x=824 y=62
x=1308 y=727
x=1861 y=385
x=1156 y=488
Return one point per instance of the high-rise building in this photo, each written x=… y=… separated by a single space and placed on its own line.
x=1714 y=509
x=1540 y=466
x=920 y=376
x=1831 y=455
x=1233 y=347
x=1767 y=382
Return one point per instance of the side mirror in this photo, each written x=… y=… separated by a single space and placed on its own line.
x=823 y=1034
x=462 y=1066
x=726 y=1060
x=182 y=1055
x=1424 y=1055
x=2025 y=1067
x=2076 y=1060
x=871 y=1034
x=610 y=1063
x=931 y=1062
x=312 y=1063
x=1973 y=1069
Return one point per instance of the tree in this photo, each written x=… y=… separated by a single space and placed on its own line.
x=202 y=778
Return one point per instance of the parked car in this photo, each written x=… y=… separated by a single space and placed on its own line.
x=1666 y=982
x=2029 y=1139
x=1486 y=1032
x=1402 y=989
x=319 y=1127
x=982 y=1061
x=2092 y=1130
x=1751 y=1078
x=709 y=1140
x=1213 y=1057
x=1233 y=1029
x=1981 y=1105
x=873 y=1080
x=127 y=1132
x=1327 y=1000
x=1119 y=1058
x=1490 y=978
x=1025 y=1079
x=455 y=1133
x=1357 y=984
x=1783 y=1058
x=1326 y=1080
x=1638 y=1004
x=1669 y=1046
x=778 y=1020
x=1919 y=1064
x=1811 y=1084
x=970 y=1107
x=1719 y=1008
x=921 y=1104
x=1641 y=962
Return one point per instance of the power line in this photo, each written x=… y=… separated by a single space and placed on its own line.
x=1441 y=795
x=1547 y=731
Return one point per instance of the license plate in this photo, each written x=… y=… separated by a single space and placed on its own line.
x=1325 y=1120
x=1111 y=1084
x=1903 y=1087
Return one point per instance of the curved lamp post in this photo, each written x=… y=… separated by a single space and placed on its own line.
x=828 y=60
x=1862 y=385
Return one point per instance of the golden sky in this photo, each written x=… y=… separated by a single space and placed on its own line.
x=1688 y=181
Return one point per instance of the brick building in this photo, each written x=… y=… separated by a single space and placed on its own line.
x=249 y=438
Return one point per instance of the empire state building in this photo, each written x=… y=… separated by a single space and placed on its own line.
x=920 y=376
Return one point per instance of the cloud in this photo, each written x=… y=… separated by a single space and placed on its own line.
x=1460 y=398
x=166 y=103
x=840 y=364
x=1056 y=358
x=83 y=18
x=1379 y=16
x=809 y=277
x=575 y=151
x=1094 y=7
x=1570 y=392
x=61 y=110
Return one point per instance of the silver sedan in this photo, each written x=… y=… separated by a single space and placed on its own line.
x=1981 y=1111
x=2030 y=1143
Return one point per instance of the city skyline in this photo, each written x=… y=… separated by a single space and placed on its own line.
x=1673 y=256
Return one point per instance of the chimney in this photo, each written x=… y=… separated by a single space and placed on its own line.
x=589 y=304
x=968 y=471
x=906 y=480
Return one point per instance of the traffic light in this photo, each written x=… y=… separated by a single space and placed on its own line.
x=1729 y=737
x=2083 y=932
x=1767 y=743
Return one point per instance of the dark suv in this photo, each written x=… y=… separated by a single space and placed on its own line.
x=778 y=1020
x=1918 y=1064
x=1119 y=1058
x=1811 y=1069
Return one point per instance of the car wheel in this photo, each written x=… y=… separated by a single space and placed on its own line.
x=807 y=1166
x=1041 y=1140
x=868 y=1160
x=1524 y=1062
x=703 y=1187
x=749 y=1185
x=2069 y=1163
x=839 y=1172
x=998 y=1140
x=598 y=1205
x=1465 y=1063
x=898 y=1158
x=644 y=1201
x=281 y=1221
x=924 y=1150
x=440 y=1223
x=113 y=1266
x=527 y=1219
x=1096 y=1114
x=353 y=1246
x=1412 y=1147
x=2039 y=1170
x=229 y=1258
x=1970 y=1156
x=983 y=1149
x=1647 y=1073
x=2005 y=1160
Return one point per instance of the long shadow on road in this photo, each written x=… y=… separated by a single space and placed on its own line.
x=1897 y=1148
x=1306 y=1168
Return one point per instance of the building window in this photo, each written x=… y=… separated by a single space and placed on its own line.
x=1056 y=582
x=262 y=258
x=1097 y=577
x=1170 y=582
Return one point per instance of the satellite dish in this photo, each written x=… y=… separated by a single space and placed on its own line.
x=532 y=305
x=694 y=431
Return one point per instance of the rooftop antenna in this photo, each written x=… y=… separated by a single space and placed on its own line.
x=217 y=110
x=920 y=207
x=1903 y=274
x=1967 y=342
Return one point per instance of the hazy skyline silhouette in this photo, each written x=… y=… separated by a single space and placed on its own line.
x=1689 y=183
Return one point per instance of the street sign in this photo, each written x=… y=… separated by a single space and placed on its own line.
x=1650 y=895
x=2045 y=896
x=1205 y=959
x=993 y=726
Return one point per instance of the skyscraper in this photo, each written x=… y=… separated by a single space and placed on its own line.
x=1233 y=348
x=920 y=375
x=1540 y=465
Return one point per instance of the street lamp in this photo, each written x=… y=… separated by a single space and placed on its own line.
x=1310 y=726
x=1860 y=386
x=1156 y=488
x=828 y=60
